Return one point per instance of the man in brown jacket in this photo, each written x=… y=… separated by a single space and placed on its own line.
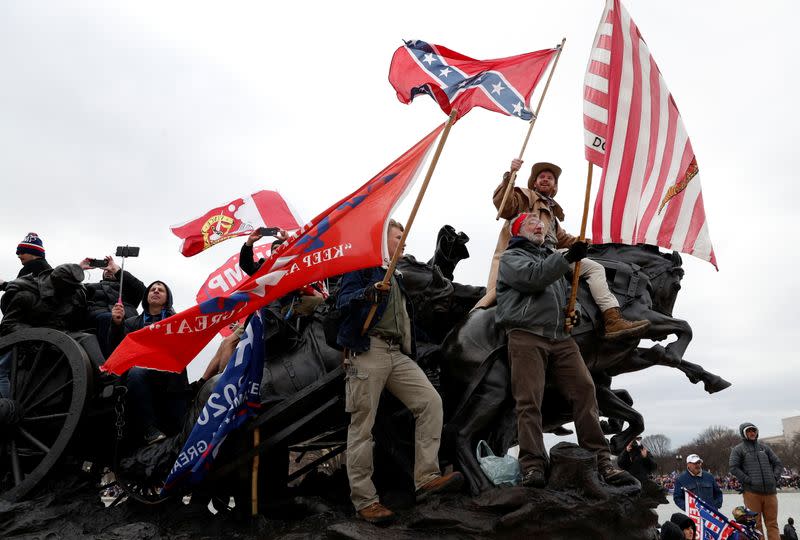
x=538 y=199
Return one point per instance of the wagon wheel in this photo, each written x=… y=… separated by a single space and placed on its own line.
x=49 y=374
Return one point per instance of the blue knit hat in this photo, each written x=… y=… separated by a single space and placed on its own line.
x=32 y=245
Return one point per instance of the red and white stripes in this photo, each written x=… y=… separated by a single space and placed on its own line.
x=650 y=190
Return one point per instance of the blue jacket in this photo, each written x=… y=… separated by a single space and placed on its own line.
x=704 y=487
x=354 y=308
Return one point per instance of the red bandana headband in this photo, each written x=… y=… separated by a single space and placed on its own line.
x=516 y=225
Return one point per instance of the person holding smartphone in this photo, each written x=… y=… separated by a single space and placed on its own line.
x=104 y=294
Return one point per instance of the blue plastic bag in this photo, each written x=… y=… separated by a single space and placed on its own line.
x=502 y=471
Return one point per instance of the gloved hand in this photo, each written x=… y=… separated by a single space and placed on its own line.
x=374 y=294
x=572 y=320
x=576 y=252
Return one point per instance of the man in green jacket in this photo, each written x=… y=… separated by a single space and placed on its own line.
x=758 y=469
x=531 y=296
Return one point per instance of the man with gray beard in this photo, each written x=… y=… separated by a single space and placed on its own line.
x=531 y=296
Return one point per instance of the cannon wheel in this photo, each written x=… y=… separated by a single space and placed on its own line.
x=49 y=376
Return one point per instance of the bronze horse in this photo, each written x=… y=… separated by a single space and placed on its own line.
x=463 y=352
x=646 y=282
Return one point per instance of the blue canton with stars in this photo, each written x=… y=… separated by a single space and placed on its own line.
x=454 y=81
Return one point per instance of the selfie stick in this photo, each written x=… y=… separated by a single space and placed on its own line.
x=121 y=278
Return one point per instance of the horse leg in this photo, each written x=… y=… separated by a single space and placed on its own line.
x=659 y=355
x=662 y=326
x=615 y=404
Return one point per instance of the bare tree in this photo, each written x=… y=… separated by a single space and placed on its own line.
x=659 y=445
x=714 y=446
x=660 y=448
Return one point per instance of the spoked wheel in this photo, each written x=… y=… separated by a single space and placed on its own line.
x=49 y=375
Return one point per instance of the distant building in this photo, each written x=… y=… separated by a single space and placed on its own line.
x=791 y=427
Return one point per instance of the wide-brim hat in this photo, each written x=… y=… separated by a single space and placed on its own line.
x=544 y=166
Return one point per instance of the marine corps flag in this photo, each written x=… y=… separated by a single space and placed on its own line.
x=456 y=81
x=348 y=236
x=650 y=189
x=236 y=218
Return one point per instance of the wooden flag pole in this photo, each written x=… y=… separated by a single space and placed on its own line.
x=576 y=271
x=254 y=481
x=530 y=129
x=384 y=285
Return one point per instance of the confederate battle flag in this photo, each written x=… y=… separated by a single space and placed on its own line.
x=236 y=218
x=502 y=85
x=348 y=236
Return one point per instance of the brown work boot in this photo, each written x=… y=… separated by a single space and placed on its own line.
x=616 y=477
x=618 y=326
x=376 y=513
x=442 y=484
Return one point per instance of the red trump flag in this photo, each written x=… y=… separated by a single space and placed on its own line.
x=502 y=85
x=236 y=218
x=650 y=189
x=348 y=236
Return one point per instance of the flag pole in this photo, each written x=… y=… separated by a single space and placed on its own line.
x=384 y=285
x=254 y=479
x=576 y=271
x=513 y=177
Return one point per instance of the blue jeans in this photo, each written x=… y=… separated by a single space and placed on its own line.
x=5 y=372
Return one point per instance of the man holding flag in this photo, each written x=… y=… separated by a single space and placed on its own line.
x=378 y=360
x=538 y=199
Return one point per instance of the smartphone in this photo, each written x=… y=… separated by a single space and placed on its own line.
x=97 y=263
x=127 y=251
x=268 y=231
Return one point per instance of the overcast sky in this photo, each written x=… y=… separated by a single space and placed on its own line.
x=120 y=119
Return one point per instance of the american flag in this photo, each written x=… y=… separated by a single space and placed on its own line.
x=711 y=524
x=650 y=189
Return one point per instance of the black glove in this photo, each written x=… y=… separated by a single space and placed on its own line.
x=571 y=320
x=576 y=252
x=374 y=295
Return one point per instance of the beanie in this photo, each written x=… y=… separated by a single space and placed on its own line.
x=32 y=245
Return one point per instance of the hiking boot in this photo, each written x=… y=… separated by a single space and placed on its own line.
x=534 y=478
x=619 y=327
x=152 y=435
x=616 y=477
x=442 y=484
x=376 y=513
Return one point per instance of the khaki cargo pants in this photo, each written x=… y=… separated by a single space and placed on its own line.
x=367 y=374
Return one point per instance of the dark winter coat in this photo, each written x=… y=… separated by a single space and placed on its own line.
x=354 y=308
x=246 y=262
x=175 y=382
x=755 y=465
x=638 y=466
x=703 y=486
x=53 y=299
x=105 y=293
x=531 y=289
x=33 y=268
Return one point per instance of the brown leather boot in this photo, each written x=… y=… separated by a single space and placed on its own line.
x=376 y=513
x=442 y=484
x=619 y=327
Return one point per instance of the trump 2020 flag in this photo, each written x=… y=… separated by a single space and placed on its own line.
x=236 y=218
x=236 y=397
x=650 y=189
x=711 y=524
x=502 y=85
x=348 y=236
